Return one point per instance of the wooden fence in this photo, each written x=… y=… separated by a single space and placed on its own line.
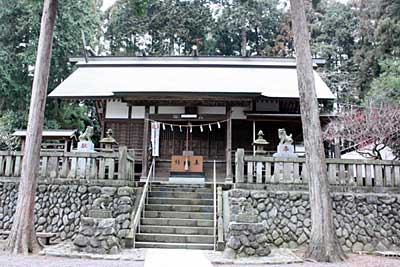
x=264 y=170
x=74 y=165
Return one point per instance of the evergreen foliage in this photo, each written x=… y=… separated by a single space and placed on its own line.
x=360 y=41
x=19 y=33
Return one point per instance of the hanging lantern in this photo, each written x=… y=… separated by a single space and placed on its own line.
x=219 y=125
x=201 y=128
x=209 y=127
x=163 y=127
x=180 y=128
x=172 y=127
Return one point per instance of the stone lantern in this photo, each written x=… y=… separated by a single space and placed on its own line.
x=260 y=144
x=108 y=141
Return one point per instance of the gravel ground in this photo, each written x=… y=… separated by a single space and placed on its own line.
x=41 y=261
x=352 y=261
x=7 y=260
x=44 y=261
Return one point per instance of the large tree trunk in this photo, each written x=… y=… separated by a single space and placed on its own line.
x=22 y=238
x=243 y=42
x=323 y=241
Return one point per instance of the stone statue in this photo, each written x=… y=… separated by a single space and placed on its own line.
x=87 y=135
x=109 y=133
x=284 y=138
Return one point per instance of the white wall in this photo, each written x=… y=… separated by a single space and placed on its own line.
x=116 y=110
x=171 y=110
x=137 y=112
x=211 y=110
x=238 y=113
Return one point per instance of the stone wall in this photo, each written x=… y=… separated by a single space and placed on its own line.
x=364 y=222
x=98 y=235
x=59 y=207
x=246 y=239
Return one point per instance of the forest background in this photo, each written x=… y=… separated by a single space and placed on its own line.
x=359 y=39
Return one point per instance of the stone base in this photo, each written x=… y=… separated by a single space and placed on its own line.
x=285 y=151
x=247 y=218
x=85 y=146
x=100 y=213
x=97 y=235
x=246 y=239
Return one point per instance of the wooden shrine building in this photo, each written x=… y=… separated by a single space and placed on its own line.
x=204 y=107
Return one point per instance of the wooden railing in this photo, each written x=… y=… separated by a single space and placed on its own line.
x=264 y=170
x=73 y=165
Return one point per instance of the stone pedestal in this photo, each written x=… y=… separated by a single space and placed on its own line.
x=285 y=151
x=246 y=239
x=97 y=235
x=83 y=146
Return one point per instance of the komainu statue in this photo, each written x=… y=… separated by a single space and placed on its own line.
x=284 y=139
x=87 y=135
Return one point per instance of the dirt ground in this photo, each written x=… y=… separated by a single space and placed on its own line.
x=42 y=261
x=352 y=261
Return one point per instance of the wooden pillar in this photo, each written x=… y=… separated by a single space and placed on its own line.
x=336 y=148
x=130 y=138
x=229 y=178
x=254 y=137
x=145 y=144
x=239 y=166
x=122 y=162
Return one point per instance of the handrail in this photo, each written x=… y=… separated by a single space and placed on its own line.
x=215 y=205
x=136 y=221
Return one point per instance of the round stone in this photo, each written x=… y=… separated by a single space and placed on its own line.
x=81 y=241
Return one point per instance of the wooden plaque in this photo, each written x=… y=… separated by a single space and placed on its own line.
x=194 y=164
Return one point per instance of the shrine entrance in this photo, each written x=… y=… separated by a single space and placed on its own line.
x=187 y=167
x=188 y=149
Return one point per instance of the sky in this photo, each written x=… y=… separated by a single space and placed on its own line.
x=107 y=3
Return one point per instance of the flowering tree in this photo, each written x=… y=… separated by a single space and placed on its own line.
x=367 y=129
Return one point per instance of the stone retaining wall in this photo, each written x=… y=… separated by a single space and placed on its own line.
x=246 y=239
x=98 y=235
x=364 y=222
x=59 y=207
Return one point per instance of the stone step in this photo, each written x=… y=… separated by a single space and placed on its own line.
x=176 y=194
x=177 y=222
x=181 y=201
x=174 y=245
x=185 y=208
x=177 y=230
x=168 y=238
x=178 y=188
x=179 y=215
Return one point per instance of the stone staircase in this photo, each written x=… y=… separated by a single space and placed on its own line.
x=177 y=216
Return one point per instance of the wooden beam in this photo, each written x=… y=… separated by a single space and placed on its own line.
x=229 y=178
x=145 y=143
x=177 y=117
x=187 y=101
